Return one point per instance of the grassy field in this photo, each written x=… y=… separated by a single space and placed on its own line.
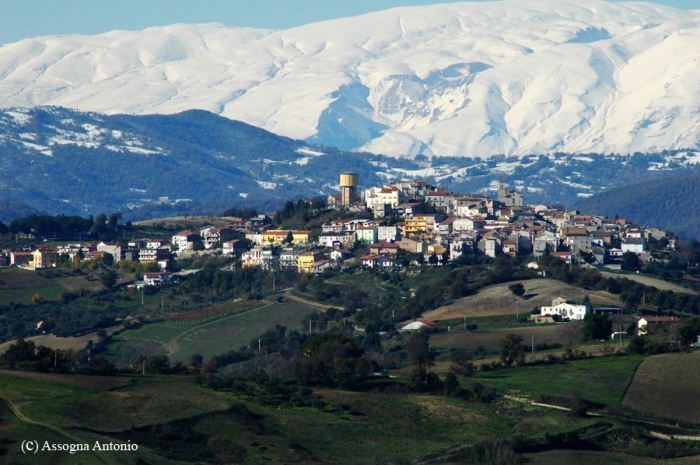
x=489 y=338
x=667 y=385
x=19 y=285
x=173 y=420
x=649 y=281
x=498 y=300
x=25 y=295
x=225 y=428
x=600 y=379
x=181 y=340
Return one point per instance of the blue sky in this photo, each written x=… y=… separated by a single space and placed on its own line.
x=20 y=19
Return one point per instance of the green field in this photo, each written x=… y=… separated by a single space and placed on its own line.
x=174 y=420
x=599 y=379
x=25 y=295
x=226 y=428
x=182 y=340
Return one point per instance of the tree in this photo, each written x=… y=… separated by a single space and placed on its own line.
x=630 y=261
x=99 y=225
x=433 y=260
x=290 y=238
x=418 y=349
x=597 y=326
x=511 y=348
x=37 y=298
x=114 y=219
x=461 y=362
x=517 y=288
x=157 y=364
x=108 y=278
x=689 y=331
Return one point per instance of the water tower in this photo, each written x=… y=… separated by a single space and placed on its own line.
x=348 y=188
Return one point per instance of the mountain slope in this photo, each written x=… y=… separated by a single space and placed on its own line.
x=63 y=161
x=663 y=203
x=461 y=79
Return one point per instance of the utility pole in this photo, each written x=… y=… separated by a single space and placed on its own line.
x=142 y=297
x=533 y=343
x=309 y=326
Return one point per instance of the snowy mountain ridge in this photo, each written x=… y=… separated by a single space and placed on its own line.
x=461 y=79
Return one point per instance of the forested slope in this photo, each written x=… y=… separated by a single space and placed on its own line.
x=664 y=203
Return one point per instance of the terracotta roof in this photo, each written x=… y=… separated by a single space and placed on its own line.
x=384 y=245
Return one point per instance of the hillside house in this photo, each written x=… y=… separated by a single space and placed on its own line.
x=369 y=260
x=647 y=324
x=565 y=311
x=634 y=245
x=184 y=240
x=157 y=278
x=234 y=247
x=388 y=233
x=21 y=258
x=336 y=239
x=384 y=248
x=289 y=260
x=44 y=258
x=366 y=235
x=307 y=260
x=264 y=258
x=277 y=237
x=153 y=255
x=341 y=254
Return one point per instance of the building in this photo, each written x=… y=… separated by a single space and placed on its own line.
x=184 y=240
x=645 y=324
x=157 y=278
x=289 y=260
x=388 y=233
x=366 y=235
x=512 y=198
x=20 y=258
x=565 y=311
x=264 y=258
x=307 y=260
x=384 y=248
x=634 y=245
x=277 y=237
x=336 y=239
x=153 y=255
x=45 y=258
x=234 y=247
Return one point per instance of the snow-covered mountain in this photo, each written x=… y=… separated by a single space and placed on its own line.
x=462 y=79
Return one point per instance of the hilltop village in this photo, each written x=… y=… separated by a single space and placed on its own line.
x=387 y=227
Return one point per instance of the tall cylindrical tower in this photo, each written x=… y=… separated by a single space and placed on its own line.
x=348 y=188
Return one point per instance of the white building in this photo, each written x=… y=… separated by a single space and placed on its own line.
x=635 y=245
x=388 y=233
x=565 y=311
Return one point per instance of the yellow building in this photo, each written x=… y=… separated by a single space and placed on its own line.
x=278 y=236
x=307 y=260
x=45 y=258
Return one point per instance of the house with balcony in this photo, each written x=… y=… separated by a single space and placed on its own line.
x=366 y=235
x=307 y=260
